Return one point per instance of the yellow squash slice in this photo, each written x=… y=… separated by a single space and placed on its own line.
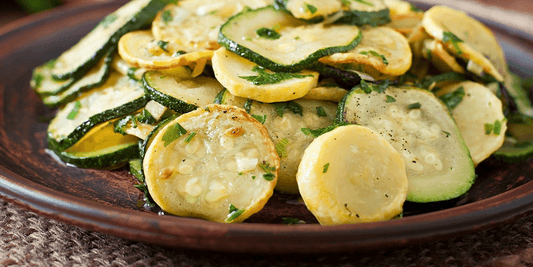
x=479 y=117
x=222 y=168
x=405 y=23
x=309 y=9
x=237 y=75
x=443 y=61
x=352 y=175
x=382 y=51
x=140 y=48
x=476 y=44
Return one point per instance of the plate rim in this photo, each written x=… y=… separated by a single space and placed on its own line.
x=206 y=235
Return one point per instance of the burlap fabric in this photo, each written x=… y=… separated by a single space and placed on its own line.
x=27 y=239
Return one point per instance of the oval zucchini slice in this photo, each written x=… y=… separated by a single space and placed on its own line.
x=246 y=79
x=117 y=97
x=466 y=38
x=382 y=51
x=479 y=117
x=101 y=148
x=141 y=49
x=181 y=95
x=82 y=56
x=94 y=78
x=215 y=163
x=42 y=82
x=419 y=127
x=352 y=175
x=277 y=41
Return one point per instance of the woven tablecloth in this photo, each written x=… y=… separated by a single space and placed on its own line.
x=27 y=239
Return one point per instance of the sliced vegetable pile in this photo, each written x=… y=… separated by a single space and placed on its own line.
x=355 y=105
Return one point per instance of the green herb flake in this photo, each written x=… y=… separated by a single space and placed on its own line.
x=488 y=128
x=108 y=20
x=321 y=112
x=326 y=167
x=248 y=106
x=320 y=131
x=145 y=117
x=292 y=106
x=240 y=173
x=281 y=148
x=446 y=133
x=390 y=99
x=163 y=45
x=452 y=99
x=234 y=213
x=268 y=33
x=379 y=87
x=414 y=8
x=260 y=118
x=173 y=133
x=376 y=54
x=213 y=12
x=131 y=73
x=166 y=17
x=179 y=53
x=253 y=177
x=416 y=105
x=38 y=79
x=364 y=2
x=269 y=176
x=448 y=36
x=189 y=137
x=75 y=110
x=265 y=77
x=120 y=124
x=495 y=128
x=291 y=221
x=312 y=9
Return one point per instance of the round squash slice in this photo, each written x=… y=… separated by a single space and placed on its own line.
x=246 y=79
x=466 y=38
x=433 y=51
x=479 y=117
x=215 y=163
x=352 y=175
x=382 y=50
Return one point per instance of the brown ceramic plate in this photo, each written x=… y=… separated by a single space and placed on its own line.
x=106 y=201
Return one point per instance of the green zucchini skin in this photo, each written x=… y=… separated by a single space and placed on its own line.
x=110 y=160
x=87 y=125
x=344 y=78
x=164 y=99
x=144 y=15
x=43 y=84
x=79 y=86
x=259 y=59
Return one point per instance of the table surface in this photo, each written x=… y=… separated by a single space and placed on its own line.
x=30 y=239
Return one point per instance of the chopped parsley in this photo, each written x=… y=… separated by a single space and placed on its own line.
x=269 y=176
x=260 y=118
x=213 y=12
x=118 y=125
x=292 y=106
x=379 y=87
x=268 y=33
x=173 y=133
x=495 y=128
x=131 y=73
x=281 y=147
x=75 y=110
x=248 y=106
x=416 y=105
x=108 y=20
x=179 y=53
x=326 y=167
x=446 y=133
x=145 y=117
x=321 y=112
x=312 y=9
x=166 y=17
x=163 y=45
x=320 y=131
x=234 y=213
x=189 y=137
x=448 y=36
x=265 y=77
x=390 y=99
x=452 y=99
x=291 y=221
x=376 y=54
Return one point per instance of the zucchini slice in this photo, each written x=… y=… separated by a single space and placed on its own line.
x=419 y=127
x=365 y=12
x=141 y=49
x=246 y=79
x=117 y=97
x=193 y=25
x=479 y=117
x=94 y=78
x=82 y=56
x=277 y=41
x=42 y=82
x=284 y=122
x=433 y=51
x=215 y=163
x=181 y=95
x=352 y=175
x=101 y=148
x=382 y=51
x=466 y=38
